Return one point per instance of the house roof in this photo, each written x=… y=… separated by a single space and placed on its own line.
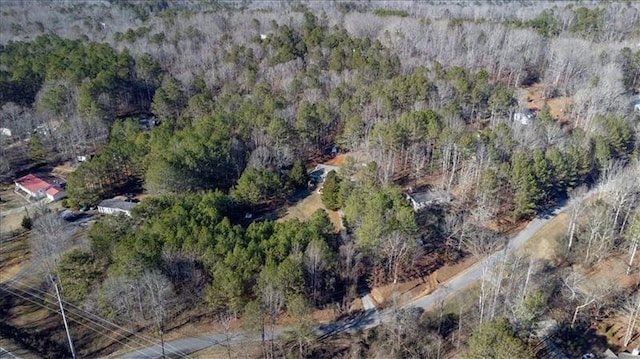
x=54 y=190
x=33 y=183
x=429 y=196
x=322 y=170
x=117 y=203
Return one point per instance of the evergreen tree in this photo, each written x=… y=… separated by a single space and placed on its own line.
x=36 y=150
x=331 y=191
x=496 y=340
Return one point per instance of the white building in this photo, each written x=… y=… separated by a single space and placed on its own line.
x=116 y=206
x=33 y=187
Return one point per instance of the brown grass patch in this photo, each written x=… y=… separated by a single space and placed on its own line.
x=544 y=243
x=9 y=199
x=304 y=208
x=12 y=222
x=63 y=170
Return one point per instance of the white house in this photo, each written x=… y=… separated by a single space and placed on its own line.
x=5 y=131
x=420 y=200
x=636 y=107
x=33 y=187
x=116 y=206
x=524 y=117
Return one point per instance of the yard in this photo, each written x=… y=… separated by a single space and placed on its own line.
x=306 y=207
x=544 y=243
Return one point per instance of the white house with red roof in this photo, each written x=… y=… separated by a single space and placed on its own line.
x=33 y=187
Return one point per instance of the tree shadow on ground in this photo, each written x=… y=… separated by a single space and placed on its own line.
x=578 y=340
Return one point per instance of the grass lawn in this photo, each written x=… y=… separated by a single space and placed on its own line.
x=306 y=207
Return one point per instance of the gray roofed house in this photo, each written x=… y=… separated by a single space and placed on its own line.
x=420 y=200
x=321 y=171
x=116 y=206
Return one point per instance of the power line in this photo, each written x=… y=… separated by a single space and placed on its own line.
x=72 y=319
x=96 y=324
x=87 y=315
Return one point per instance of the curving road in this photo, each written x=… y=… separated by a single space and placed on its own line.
x=371 y=318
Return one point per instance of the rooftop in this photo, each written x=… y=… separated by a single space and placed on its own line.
x=33 y=183
x=322 y=170
x=54 y=190
x=429 y=196
x=117 y=203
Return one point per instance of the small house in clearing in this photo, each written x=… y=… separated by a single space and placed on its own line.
x=420 y=200
x=636 y=105
x=35 y=188
x=525 y=117
x=321 y=171
x=116 y=206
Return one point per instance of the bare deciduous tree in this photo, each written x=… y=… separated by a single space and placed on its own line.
x=49 y=238
x=631 y=308
x=396 y=249
x=158 y=299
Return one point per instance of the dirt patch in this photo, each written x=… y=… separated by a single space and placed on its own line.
x=13 y=257
x=338 y=160
x=560 y=106
x=614 y=327
x=405 y=292
x=356 y=305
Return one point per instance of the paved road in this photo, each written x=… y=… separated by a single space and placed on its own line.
x=371 y=318
x=5 y=354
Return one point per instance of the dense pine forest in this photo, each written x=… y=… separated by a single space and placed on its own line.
x=216 y=113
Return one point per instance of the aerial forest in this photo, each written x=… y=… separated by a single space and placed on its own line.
x=246 y=98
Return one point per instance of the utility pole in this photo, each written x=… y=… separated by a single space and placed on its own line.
x=162 y=340
x=64 y=319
